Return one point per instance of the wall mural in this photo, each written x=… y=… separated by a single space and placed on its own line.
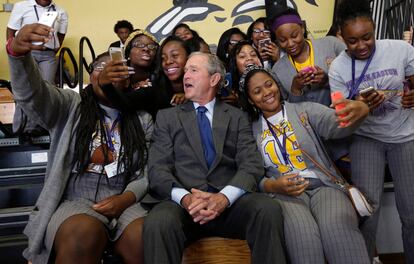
x=194 y=11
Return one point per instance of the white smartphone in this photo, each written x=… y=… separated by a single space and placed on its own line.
x=48 y=19
x=367 y=91
x=116 y=53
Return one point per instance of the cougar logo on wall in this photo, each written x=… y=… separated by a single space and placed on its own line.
x=197 y=10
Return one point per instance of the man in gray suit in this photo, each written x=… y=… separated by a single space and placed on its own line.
x=205 y=177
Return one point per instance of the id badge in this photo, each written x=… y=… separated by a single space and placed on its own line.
x=111 y=169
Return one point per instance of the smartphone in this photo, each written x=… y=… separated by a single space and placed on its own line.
x=367 y=91
x=116 y=53
x=308 y=69
x=264 y=42
x=408 y=85
x=48 y=19
x=298 y=179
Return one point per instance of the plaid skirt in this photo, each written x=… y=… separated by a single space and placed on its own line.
x=81 y=194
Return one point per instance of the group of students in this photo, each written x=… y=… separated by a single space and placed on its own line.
x=148 y=190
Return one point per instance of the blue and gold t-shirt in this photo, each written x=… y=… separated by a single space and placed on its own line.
x=273 y=152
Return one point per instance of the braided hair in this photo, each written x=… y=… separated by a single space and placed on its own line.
x=133 y=155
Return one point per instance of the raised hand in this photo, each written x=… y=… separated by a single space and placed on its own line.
x=353 y=112
x=115 y=72
x=23 y=42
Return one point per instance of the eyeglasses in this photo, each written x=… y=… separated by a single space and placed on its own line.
x=96 y=66
x=264 y=31
x=142 y=45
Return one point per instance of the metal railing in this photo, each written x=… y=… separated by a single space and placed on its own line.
x=64 y=75
x=82 y=60
x=392 y=17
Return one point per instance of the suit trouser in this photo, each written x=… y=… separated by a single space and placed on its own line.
x=169 y=228
x=46 y=59
x=321 y=223
x=368 y=157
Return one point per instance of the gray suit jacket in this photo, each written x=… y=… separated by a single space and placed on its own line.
x=311 y=122
x=326 y=49
x=176 y=156
x=57 y=110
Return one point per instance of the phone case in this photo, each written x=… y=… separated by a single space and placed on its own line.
x=116 y=53
x=367 y=91
x=308 y=69
x=337 y=96
x=264 y=42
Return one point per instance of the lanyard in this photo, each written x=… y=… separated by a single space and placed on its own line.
x=110 y=134
x=355 y=86
x=311 y=56
x=282 y=147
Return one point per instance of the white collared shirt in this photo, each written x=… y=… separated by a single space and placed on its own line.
x=24 y=13
x=210 y=110
x=231 y=192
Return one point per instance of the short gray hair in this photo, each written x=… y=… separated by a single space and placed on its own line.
x=214 y=65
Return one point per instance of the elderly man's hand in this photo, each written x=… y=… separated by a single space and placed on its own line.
x=194 y=203
x=216 y=204
x=23 y=42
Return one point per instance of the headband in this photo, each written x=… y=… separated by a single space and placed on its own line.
x=286 y=19
x=139 y=32
x=247 y=71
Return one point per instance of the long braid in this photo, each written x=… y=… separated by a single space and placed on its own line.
x=131 y=132
x=133 y=143
x=89 y=109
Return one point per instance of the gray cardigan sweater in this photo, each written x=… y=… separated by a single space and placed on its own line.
x=326 y=49
x=311 y=122
x=58 y=111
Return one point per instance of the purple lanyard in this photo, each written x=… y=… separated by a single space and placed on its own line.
x=110 y=133
x=355 y=86
x=281 y=147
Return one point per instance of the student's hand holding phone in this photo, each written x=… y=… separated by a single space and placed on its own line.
x=319 y=76
x=372 y=99
x=407 y=99
x=27 y=35
x=300 y=80
x=351 y=112
x=117 y=73
x=273 y=51
x=269 y=51
x=289 y=184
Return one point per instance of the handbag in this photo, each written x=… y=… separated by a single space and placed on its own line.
x=360 y=203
